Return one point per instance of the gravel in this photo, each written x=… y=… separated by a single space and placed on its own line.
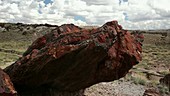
x=116 y=88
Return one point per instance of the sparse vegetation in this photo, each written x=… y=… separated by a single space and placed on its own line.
x=138 y=80
x=7 y=58
x=17 y=46
x=163 y=89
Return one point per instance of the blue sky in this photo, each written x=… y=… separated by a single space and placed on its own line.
x=131 y=14
x=48 y=2
x=79 y=18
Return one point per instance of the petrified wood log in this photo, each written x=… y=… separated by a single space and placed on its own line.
x=71 y=58
x=6 y=86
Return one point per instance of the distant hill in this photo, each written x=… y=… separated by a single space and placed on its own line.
x=29 y=32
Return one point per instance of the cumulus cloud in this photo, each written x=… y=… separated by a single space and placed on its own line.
x=132 y=14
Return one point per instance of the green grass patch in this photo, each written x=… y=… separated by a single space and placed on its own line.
x=138 y=80
x=7 y=58
x=17 y=46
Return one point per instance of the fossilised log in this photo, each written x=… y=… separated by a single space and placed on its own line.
x=71 y=58
x=6 y=86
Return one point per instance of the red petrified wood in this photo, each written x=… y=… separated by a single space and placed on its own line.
x=71 y=58
x=6 y=86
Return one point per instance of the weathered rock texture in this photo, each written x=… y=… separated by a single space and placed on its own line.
x=6 y=86
x=71 y=58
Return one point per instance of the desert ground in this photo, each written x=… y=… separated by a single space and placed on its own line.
x=15 y=39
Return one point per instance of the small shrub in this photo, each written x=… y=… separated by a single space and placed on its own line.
x=163 y=89
x=138 y=80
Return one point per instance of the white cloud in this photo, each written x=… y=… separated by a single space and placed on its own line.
x=99 y=2
x=131 y=14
